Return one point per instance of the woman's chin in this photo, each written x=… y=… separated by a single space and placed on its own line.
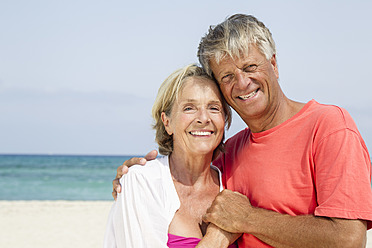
x=203 y=150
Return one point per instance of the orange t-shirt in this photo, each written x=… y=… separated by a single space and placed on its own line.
x=314 y=163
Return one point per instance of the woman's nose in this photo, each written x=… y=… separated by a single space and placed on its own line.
x=203 y=116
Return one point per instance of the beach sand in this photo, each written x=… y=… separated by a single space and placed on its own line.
x=54 y=224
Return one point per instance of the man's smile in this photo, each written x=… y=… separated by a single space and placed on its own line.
x=252 y=94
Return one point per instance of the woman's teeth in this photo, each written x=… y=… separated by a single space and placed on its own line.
x=201 y=133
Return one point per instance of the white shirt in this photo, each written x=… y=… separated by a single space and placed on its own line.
x=144 y=209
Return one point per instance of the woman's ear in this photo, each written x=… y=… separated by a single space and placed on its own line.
x=166 y=122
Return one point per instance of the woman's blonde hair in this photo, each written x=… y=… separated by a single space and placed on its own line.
x=232 y=38
x=167 y=95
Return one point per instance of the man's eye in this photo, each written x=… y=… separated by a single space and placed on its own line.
x=226 y=79
x=250 y=68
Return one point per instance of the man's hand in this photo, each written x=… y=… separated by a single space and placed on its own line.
x=228 y=211
x=123 y=169
x=233 y=212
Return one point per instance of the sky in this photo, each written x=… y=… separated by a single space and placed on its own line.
x=80 y=77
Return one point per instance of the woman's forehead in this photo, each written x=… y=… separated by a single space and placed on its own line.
x=197 y=85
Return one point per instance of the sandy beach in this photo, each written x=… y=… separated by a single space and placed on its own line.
x=55 y=224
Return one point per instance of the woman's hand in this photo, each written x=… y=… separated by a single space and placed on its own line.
x=123 y=169
x=217 y=237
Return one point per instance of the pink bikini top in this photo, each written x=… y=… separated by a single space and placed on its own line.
x=175 y=241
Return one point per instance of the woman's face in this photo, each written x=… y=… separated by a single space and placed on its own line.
x=197 y=119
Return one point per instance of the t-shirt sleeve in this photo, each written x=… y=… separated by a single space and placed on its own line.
x=139 y=217
x=343 y=176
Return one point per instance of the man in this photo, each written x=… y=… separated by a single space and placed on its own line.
x=302 y=170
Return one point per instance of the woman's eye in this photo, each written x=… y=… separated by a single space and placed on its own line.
x=215 y=108
x=188 y=108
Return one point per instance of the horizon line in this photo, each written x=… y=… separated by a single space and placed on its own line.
x=70 y=154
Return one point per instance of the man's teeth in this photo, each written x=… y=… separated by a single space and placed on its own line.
x=201 y=133
x=249 y=95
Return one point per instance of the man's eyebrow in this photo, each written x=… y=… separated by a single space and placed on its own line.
x=223 y=73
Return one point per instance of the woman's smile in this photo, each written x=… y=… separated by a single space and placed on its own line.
x=197 y=119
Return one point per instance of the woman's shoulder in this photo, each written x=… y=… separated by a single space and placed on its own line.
x=152 y=170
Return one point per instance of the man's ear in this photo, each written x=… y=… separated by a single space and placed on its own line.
x=166 y=122
x=274 y=65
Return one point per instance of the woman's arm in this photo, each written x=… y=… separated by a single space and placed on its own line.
x=138 y=218
x=217 y=238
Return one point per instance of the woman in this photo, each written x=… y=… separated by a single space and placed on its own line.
x=162 y=203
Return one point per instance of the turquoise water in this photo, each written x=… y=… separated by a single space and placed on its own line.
x=50 y=177
x=47 y=177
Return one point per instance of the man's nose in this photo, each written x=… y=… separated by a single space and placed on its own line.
x=242 y=80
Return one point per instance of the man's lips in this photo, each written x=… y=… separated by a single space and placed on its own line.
x=252 y=94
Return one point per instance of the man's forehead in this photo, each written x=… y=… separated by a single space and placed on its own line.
x=229 y=61
x=226 y=61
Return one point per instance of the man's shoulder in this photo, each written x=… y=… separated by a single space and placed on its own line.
x=331 y=113
x=327 y=118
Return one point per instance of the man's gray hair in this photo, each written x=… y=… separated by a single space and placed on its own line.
x=232 y=38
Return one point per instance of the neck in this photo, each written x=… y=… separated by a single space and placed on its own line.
x=283 y=110
x=190 y=170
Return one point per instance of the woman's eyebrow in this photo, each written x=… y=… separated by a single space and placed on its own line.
x=214 y=102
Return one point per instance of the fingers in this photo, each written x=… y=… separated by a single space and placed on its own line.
x=227 y=207
x=238 y=193
x=123 y=169
x=206 y=217
x=128 y=163
x=116 y=186
x=151 y=155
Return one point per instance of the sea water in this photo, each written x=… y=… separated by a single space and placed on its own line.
x=57 y=177
x=51 y=177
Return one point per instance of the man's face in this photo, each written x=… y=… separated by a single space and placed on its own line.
x=249 y=84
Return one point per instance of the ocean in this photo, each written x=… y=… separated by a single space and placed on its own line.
x=57 y=177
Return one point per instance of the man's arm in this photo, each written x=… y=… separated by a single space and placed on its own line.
x=233 y=212
x=123 y=169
